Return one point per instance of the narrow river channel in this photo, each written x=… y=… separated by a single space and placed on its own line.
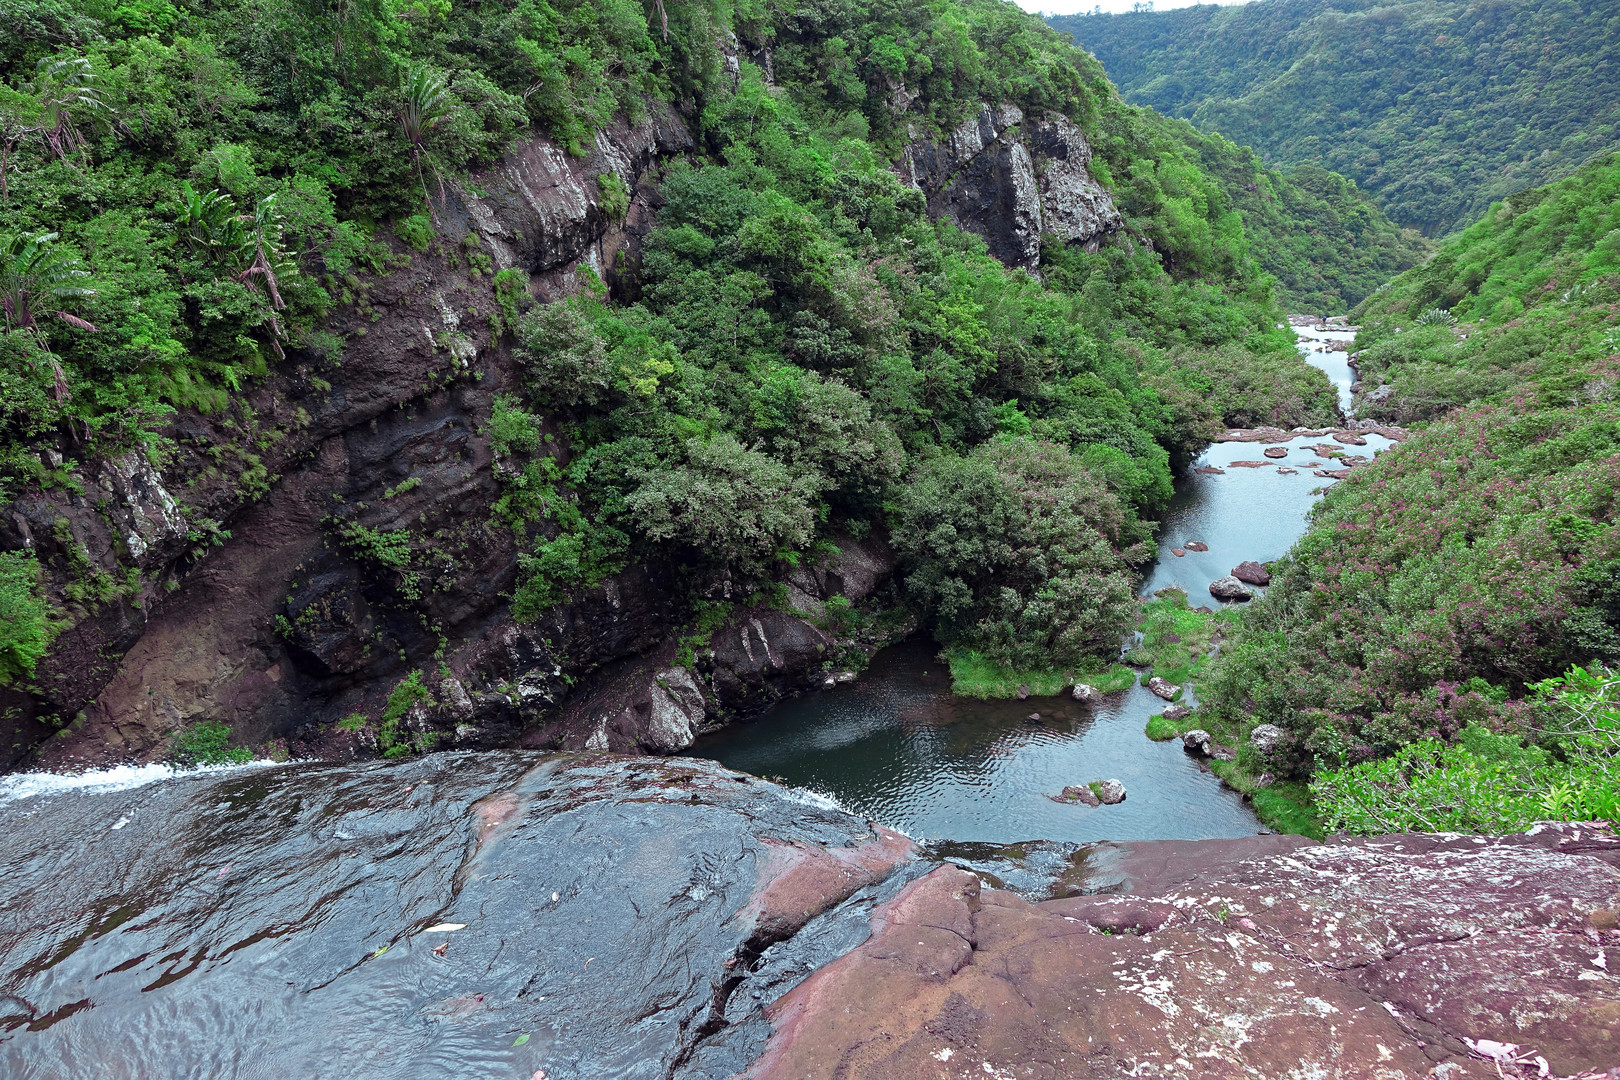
x=898 y=747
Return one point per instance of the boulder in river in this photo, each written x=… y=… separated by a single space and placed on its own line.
x=1209 y=470
x=1196 y=545
x=1111 y=792
x=1250 y=464
x=1023 y=691
x=1177 y=552
x=1176 y=712
x=1275 y=451
x=1197 y=741
x=1033 y=718
x=1163 y=688
x=1080 y=793
x=1251 y=573
x=1230 y=588
x=1085 y=692
x=1349 y=438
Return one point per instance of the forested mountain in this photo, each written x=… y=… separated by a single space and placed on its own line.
x=685 y=289
x=1437 y=108
x=1324 y=241
x=1415 y=623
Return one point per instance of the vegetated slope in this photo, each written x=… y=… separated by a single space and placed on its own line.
x=1437 y=108
x=1438 y=588
x=1326 y=243
x=210 y=211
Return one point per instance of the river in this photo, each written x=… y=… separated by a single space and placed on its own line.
x=898 y=747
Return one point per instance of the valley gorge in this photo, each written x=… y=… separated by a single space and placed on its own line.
x=680 y=540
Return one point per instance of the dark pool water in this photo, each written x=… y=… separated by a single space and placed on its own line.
x=898 y=747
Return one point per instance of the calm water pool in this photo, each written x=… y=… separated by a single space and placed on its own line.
x=898 y=747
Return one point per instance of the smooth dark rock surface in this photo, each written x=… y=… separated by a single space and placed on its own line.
x=620 y=915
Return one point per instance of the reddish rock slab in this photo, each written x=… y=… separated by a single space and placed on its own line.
x=1349 y=438
x=1250 y=464
x=1178 y=552
x=800 y=880
x=1251 y=573
x=1196 y=545
x=1267 y=957
x=1209 y=470
x=1275 y=451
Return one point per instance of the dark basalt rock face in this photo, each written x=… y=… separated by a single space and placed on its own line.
x=1009 y=178
x=517 y=915
x=256 y=601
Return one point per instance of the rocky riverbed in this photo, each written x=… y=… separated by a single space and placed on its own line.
x=509 y=914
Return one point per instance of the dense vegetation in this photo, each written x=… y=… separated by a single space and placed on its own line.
x=1437 y=592
x=191 y=192
x=1436 y=107
x=1324 y=241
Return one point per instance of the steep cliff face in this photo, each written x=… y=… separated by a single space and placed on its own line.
x=1009 y=179
x=232 y=581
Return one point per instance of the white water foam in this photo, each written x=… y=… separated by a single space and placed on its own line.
x=97 y=781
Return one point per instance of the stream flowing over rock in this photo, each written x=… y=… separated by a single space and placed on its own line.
x=515 y=915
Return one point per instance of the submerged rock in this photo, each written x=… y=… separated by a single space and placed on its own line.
x=281 y=914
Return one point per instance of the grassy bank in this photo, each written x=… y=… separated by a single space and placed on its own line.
x=975 y=675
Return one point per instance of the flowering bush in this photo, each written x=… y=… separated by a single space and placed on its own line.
x=1483 y=782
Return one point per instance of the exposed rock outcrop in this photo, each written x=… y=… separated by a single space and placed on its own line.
x=1230 y=588
x=1251 y=573
x=1163 y=688
x=1399 y=957
x=1009 y=178
x=597 y=915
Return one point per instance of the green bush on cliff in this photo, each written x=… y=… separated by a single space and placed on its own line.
x=26 y=627
x=208 y=742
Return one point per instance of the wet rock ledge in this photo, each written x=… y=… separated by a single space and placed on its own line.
x=518 y=915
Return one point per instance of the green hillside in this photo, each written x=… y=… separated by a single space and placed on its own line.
x=1437 y=108
x=1412 y=628
x=191 y=194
